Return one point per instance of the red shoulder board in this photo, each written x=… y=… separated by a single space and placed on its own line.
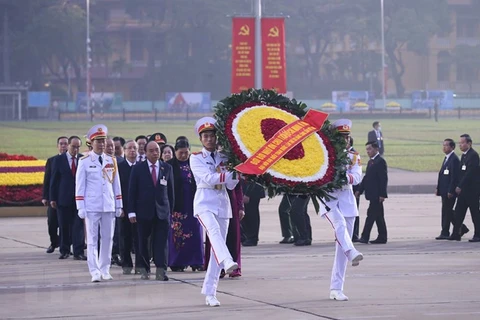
x=195 y=153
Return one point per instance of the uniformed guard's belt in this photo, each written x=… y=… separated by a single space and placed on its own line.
x=206 y=186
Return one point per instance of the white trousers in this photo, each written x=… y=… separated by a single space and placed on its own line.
x=99 y=263
x=216 y=229
x=343 y=227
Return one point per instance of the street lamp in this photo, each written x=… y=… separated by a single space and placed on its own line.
x=383 y=53
x=257 y=9
x=88 y=57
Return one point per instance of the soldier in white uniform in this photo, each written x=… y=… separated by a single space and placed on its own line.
x=99 y=201
x=343 y=210
x=211 y=204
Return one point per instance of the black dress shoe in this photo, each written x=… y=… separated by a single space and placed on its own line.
x=127 y=270
x=162 y=278
x=50 y=249
x=145 y=276
x=455 y=237
x=177 y=269
x=161 y=275
x=474 y=239
x=116 y=260
x=80 y=257
x=301 y=243
x=442 y=237
x=377 y=241
x=361 y=240
x=355 y=239
x=249 y=244
x=287 y=240
x=197 y=268
x=64 y=256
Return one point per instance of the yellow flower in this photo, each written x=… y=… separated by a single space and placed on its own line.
x=23 y=163
x=247 y=129
x=21 y=178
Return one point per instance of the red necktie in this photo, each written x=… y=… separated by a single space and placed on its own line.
x=74 y=167
x=154 y=175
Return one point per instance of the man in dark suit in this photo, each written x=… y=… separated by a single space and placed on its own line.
x=62 y=198
x=376 y=135
x=128 y=233
x=150 y=204
x=141 y=140
x=374 y=184
x=52 y=220
x=252 y=193
x=110 y=149
x=447 y=182
x=467 y=190
x=119 y=144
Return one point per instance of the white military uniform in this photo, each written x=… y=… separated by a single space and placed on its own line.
x=343 y=210
x=212 y=208
x=99 y=197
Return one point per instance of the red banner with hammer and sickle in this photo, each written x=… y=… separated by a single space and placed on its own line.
x=274 y=73
x=283 y=141
x=243 y=53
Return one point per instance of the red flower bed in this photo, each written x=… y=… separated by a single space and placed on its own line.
x=15 y=157
x=16 y=196
x=20 y=196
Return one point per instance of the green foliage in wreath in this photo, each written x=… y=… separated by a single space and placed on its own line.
x=223 y=111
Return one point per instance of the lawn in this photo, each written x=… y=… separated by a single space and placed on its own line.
x=409 y=144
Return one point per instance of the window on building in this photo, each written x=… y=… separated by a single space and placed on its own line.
x=443 y=66
x=466 y=73
x=137 y=46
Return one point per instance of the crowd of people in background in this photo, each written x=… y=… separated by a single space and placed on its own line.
x=144 y=197
x=169 y=236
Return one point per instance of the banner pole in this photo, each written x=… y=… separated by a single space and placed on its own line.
x=258 y=43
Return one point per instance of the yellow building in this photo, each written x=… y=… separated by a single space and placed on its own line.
x=122 y=70
x=437 y=69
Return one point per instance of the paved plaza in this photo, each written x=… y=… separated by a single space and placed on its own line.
x=411 y=277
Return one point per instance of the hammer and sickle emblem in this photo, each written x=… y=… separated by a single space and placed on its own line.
x=244 y=30
x=273 y=32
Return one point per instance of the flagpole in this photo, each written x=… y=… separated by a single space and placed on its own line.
x=258 y=43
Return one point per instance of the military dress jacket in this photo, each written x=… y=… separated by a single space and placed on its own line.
x=97 y=187
x=345 y=198
x=212 y=179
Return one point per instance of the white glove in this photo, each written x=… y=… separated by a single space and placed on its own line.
x=82 y=213
x=118 y=212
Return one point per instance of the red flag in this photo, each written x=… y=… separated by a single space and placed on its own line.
x=243 y=54
x=274 y=73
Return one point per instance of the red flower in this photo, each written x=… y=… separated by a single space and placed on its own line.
x=7 y=157
x=20 y=195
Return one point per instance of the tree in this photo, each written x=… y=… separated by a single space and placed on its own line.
x=314 y=26
x=409 y=24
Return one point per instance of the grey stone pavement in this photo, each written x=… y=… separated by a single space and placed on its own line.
x=411 y=277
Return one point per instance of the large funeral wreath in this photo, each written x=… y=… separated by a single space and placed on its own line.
x=316 y=166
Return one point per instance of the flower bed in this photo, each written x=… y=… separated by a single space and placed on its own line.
x=248 y=122
x=21 y=180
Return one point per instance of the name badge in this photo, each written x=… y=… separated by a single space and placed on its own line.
x=446 y=172
x=464 y=167
x=163 y=182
